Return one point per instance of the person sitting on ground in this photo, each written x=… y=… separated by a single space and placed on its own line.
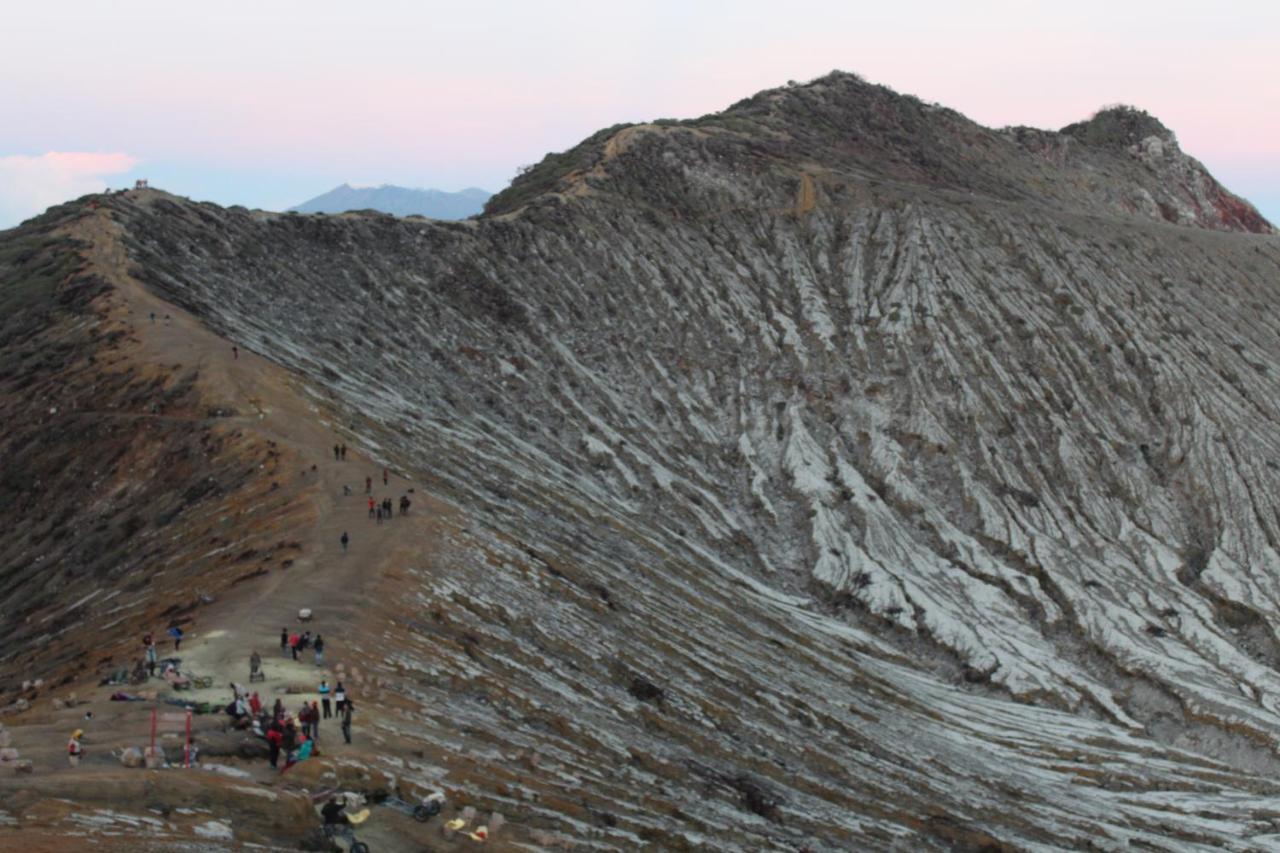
x=332 y=812
x=175 y=679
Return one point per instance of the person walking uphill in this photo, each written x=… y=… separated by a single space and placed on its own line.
x=74 y=748
x=176 y=633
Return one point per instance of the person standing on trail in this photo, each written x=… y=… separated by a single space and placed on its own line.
x=344 y=540
x=368 y=490
x=75 y=749
x=235 y=353
x=176 y=633
x=319 y=647
x=277 y=711
x=371 y=507
x=339 y=697
x=149 y=646
x=315 y=721
x=284 y=643
x=336 y=451
x=255 y=666
x=347 y=710
x=379 y=513
x=385 y=475
x=294 y=639
x=304 y=718
x=275 y=738
x=324 y=698
x=344 y=452
x=255 y=704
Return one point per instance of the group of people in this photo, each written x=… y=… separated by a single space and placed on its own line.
x=384 y=509
x=150 y=650
x=340 y=452
x=295 y=643
x=296 y=736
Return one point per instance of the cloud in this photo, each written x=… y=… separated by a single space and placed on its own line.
x=29 y=184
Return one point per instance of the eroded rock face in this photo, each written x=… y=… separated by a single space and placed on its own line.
x=843 y=473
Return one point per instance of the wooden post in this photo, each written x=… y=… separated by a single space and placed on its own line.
x=153 y=731
x=186 y=750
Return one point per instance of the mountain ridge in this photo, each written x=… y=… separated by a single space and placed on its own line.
x=398 y=201
x=805 y=488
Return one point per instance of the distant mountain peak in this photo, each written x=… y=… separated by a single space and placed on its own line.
x=398 y=201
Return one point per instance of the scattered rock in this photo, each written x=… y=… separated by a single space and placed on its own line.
x=132 y=757
x=24 y=767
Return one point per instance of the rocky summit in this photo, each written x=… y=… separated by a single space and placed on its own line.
x=827 y=473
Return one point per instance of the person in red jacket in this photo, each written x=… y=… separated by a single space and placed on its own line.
x=275 y=736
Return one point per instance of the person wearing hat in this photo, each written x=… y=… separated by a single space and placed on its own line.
x=74 y=748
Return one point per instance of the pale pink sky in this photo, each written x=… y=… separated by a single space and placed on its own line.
x=239 y=104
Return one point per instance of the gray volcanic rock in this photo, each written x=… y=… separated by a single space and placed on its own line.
x=398 y=201
x=845 y=474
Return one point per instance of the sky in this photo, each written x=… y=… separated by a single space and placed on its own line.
x=271 y=102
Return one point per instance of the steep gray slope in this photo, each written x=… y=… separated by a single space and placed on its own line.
x=398 y=201
x=846 y=460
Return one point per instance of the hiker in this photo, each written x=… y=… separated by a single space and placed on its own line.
x=344 y=540
x=277 y=710
x=319 y=647
x=293 y=645
x=74 y=748
x=255 y=704
x=153 y=316
x=275 y=737
x=344 y=452
x=335 y=453
x=304 y=717
x=315 y=721
x=339 y=697
x=235 y=353
x=149 y=643
x=324 y=698
x=346 y=490
x=379 y=513
x=385 y=474
x=176 y=633
x=371 y=507
x=347 y=710
x=404 y=504
x=368 y=490
x=305 y=642
x=255 y=666
x=386 y=507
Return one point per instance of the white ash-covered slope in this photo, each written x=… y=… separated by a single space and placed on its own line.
x=849 y=439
